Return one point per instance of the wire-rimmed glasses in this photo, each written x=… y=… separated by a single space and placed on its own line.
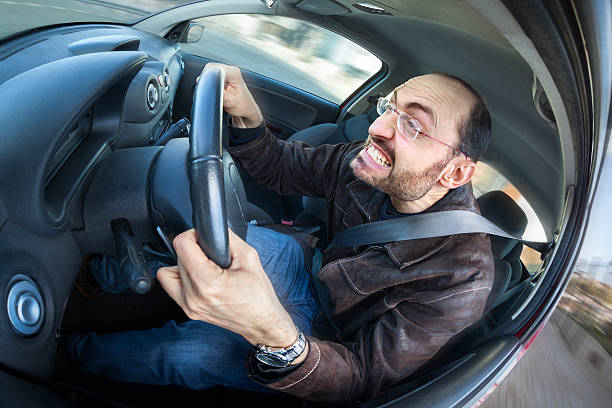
x=406 y=124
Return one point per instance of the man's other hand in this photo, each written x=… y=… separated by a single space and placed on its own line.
x=240 y=298
x=237 y=99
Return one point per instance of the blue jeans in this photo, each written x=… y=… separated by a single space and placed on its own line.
x=195 y=354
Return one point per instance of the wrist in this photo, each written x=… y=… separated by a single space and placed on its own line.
x=275 y=330
x=281 y=335
x=246 y=122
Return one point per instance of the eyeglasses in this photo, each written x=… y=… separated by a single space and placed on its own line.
x=406 y=124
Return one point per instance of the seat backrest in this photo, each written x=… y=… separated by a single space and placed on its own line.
x=502 y=210
x=315 y=135
x=353 y=129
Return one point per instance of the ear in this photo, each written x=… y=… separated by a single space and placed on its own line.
x=457 y=172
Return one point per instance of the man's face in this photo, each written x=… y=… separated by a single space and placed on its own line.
x=407 y=169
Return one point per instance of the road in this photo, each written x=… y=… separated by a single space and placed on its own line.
x=557 y=372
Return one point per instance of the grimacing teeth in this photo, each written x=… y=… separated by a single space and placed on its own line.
x=378 y=158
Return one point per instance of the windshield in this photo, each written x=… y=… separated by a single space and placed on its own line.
x=18 y=15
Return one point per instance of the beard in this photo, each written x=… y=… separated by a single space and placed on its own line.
x=403 y=184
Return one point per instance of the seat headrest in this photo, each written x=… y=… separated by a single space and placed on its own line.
x=503 y=211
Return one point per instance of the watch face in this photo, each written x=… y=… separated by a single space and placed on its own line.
x=271 y=360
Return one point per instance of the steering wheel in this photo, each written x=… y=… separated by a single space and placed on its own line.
x=213 y=176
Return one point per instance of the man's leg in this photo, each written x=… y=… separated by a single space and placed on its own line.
x=196 y=354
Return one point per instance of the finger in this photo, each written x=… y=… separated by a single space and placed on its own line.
x=186 y=279
x=240 y=251
x=191 y=257
x=235 y=242
x=169 y=279
x=232 y=73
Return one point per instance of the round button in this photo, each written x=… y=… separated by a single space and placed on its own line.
x=25 y=306
x=152 y=95
x=28 y=309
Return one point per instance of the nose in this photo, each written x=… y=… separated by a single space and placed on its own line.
x=384 y=127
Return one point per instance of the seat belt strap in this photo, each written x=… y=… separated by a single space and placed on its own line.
x=322 y=293
x=419 y=226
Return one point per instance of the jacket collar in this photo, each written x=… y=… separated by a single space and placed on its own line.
x=405 y=253
x=367 y=199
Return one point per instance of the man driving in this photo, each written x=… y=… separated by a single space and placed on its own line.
x=380 y=312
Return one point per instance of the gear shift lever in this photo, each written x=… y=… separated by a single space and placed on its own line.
x=131 y=260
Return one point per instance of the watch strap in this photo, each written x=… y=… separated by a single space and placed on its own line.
x=281 y=357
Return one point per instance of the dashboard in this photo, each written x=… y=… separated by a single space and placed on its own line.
x=148 y=100
x=132 y=111
x=72 y=98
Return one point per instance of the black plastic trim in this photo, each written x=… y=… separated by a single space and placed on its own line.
x=77 y=82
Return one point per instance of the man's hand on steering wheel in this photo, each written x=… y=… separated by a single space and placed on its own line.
x=237 y=99
x=239 y=298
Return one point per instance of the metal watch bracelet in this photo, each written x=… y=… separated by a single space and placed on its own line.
x=283 y=357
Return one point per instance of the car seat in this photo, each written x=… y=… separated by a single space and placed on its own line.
x=510 y=273
x=312 y=210
x=503 y=211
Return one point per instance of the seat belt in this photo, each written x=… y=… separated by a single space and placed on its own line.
x=418 y=226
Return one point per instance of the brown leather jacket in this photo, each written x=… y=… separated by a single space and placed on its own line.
x=397 y=303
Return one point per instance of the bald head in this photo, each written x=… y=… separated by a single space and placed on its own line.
x=475 y=127
x=457 y=101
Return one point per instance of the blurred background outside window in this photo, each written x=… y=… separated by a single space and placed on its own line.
x=294 y=52
x=588 y=297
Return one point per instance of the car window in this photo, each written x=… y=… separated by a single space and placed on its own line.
x=487 y=178
x=303 y=55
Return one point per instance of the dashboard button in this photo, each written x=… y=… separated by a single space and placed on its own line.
x=152 y=95
x=24 y=305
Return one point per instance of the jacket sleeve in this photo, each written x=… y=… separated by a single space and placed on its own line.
x=292 y=167
x=381 y=354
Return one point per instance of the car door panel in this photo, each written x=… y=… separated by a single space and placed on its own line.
x=286 y=109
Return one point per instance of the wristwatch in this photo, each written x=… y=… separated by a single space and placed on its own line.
x=282 y=357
